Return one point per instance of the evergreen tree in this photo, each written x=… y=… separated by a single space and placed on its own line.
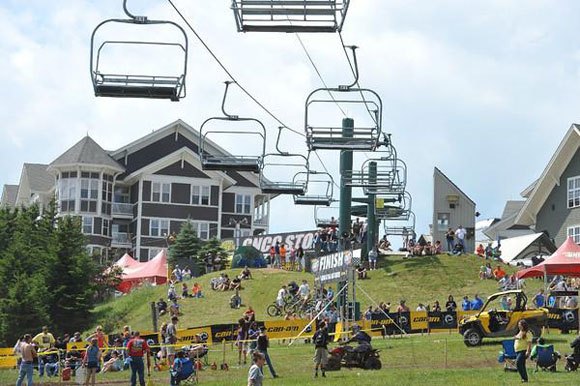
x=214 y=247
x=185 y=250
x=70 y=276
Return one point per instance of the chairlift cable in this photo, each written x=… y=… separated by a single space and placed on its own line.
x=228 y=73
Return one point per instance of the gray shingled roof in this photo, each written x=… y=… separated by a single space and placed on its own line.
x=512 y=207
x=86 y=151
x=9 y=195
x=39 y=180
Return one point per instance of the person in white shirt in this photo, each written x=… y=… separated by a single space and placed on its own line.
x=281 y=295
x=304 y=292
x=421 y=307
x=460 y=235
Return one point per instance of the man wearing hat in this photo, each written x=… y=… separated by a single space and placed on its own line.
x=262 y=345
x=171 y=338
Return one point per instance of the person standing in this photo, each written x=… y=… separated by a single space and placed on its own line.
x=91 y=361
x=171 y=339
x=320 y=340
x=262 y=345
x=522 y=347
x=449 y=237
x=256 y=374
x=28 y=354
x=137 y=348
x=44 y=341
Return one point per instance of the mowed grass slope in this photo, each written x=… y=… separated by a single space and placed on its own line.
x=422 y=279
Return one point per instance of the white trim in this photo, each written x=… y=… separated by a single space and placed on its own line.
x=575 y=190
x=138 y=229
x=575 y=234
x=162 y=185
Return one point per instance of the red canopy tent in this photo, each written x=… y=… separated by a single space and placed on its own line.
x=153 y=271
x=126 y=261
x=565 y=261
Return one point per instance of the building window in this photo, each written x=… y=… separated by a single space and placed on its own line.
x=67 y=191
x=574 y=232
x=204 y=231
x=89 y=194
x=106 y=227
x=160 y=192
x=573 y=192
x=200 y=195
x=122 y=194
x=243 y=203
x=158 y=227
x=88 y=225
x=442 y=221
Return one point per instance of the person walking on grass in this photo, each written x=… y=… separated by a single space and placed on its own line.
x=320 y=340
x=28 y=354
x=91 y=361
x=262 y=344
x=522 y=347
x=137 y=348
x=256 y=374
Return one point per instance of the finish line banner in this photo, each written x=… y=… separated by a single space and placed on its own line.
x=293 y=239
x=334 y=267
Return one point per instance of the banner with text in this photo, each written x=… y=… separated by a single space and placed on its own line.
x=294 y=239
x=333 y=267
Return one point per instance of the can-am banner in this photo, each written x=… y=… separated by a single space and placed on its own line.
x=293 y=239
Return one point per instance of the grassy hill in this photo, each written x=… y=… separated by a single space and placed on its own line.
x=421 y=279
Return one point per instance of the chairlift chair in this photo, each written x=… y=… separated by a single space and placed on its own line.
x=407 y=228
x=334 y=137
x=290 y=15
x=319 y=188
x=273 y=162
x=123 y=85
x=225 y=161
x=394 y=205
x=390 y=176
x=323 y=216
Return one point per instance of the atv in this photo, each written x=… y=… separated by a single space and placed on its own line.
x=363 y=356
x=496 y=319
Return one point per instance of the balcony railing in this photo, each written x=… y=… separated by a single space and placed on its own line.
x=120 y=239
x=121 y=208
x=262 y=221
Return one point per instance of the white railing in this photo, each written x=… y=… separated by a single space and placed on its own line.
x=122 y=208
x=120 y=238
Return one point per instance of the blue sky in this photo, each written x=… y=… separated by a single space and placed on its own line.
x=484 y=90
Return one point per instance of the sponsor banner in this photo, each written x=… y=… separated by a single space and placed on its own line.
x=381 y=325
x=563 y=319
x=282 y=329
x=152 y=339
x=191 y=335
x=293 y=239
x=419 y=320
x=225 y=332
x=333 y=267
x=442 y=320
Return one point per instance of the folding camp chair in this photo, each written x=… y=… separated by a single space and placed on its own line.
x=508 y=355
x=185 y=374
x=546 y=359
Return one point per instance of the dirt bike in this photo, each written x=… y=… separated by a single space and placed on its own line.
x=363 y=356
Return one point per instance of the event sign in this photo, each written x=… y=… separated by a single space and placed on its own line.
x=263 y=243
x=333 y=267
x=563 y=318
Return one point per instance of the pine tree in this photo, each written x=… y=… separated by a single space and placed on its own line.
x=185 y=250
x=214 y=247
x=70 y=277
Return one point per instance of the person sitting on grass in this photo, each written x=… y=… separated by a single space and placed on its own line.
x=236 y=300
x=361 y=272
x=246 y=274
x=174 y=308
x=466 y=304
x=488 y=251
x=115 y=363
x=196 y=291
x=476 y=303
x=498 y=273
x=162 y=306
x=184 y=291
x=225 y=283
x=437 y=248
x=436 y=306
x=458 y=249
x=480 y=251
x=236 y=284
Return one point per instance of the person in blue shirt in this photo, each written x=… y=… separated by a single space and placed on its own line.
x=466 y=304
x=476 y=303
x=540 y=299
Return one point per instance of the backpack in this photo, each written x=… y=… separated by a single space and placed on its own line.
x=320 y=339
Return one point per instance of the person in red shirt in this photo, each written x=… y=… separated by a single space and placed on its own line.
x=137 y=348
